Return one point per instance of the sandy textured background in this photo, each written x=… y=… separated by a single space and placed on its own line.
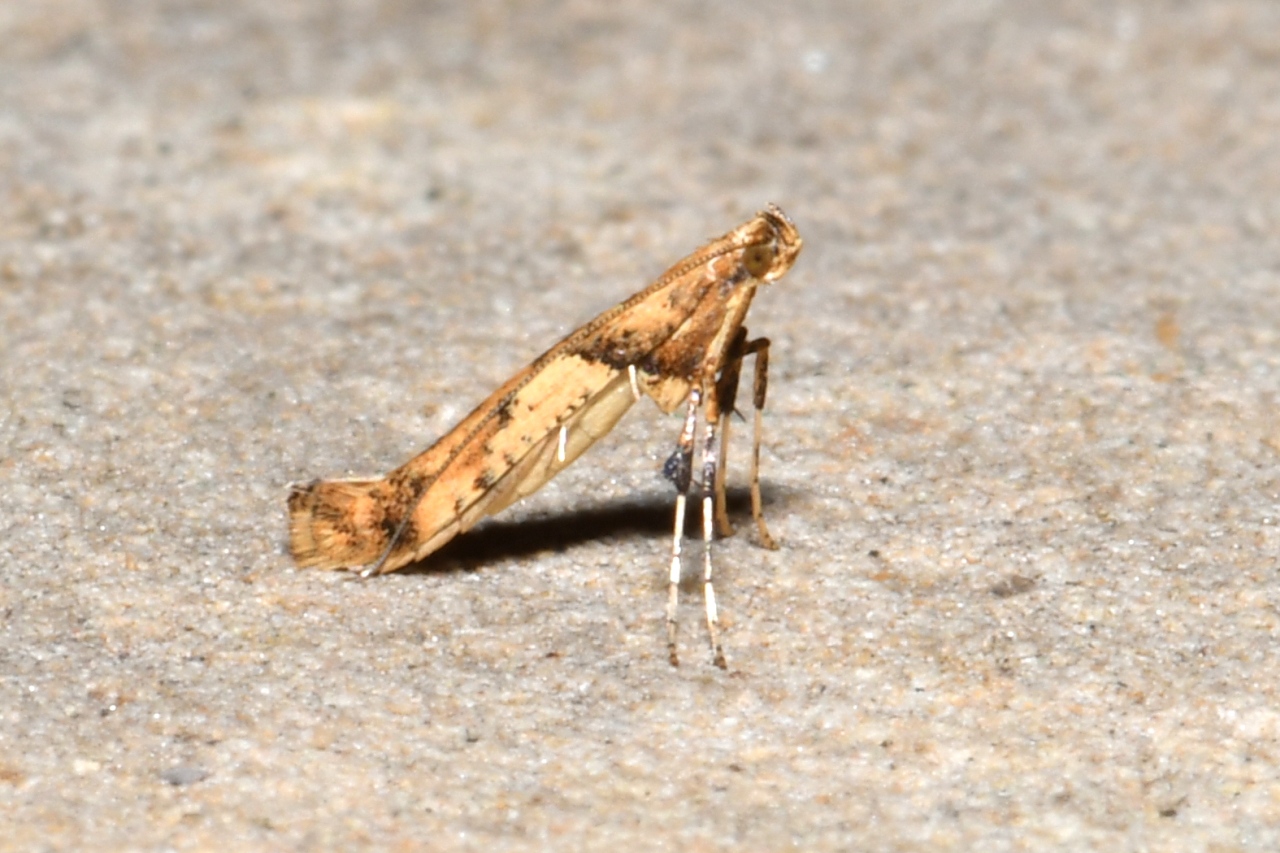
x=1022 y=446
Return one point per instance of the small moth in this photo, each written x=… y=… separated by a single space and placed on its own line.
x=680 y=340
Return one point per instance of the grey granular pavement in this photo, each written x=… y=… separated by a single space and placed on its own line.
x=1021 y=451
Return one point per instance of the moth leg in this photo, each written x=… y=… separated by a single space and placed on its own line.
x=710 y=456
x=727 y=395
x=760 y=347
x=679 y=470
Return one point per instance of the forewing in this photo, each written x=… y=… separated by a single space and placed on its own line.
x=516 y=450
x=583 y=428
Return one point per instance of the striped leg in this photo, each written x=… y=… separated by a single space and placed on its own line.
x=679 y=470
x=710 y=456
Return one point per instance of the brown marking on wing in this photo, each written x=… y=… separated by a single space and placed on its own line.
x=337 y=523
x=457 y=492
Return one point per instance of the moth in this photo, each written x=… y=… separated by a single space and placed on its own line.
x=679 y=341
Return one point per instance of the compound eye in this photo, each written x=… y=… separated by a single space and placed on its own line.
x=758 y=258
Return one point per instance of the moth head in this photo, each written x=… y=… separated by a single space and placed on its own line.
x=775 y=247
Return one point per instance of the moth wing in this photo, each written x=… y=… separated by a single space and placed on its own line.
x=519 y=468
x=584 y=427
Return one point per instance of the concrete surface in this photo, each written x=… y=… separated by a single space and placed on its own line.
x=1021 y=449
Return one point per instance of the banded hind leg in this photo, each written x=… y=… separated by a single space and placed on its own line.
x=711 y=484
x=679 y=469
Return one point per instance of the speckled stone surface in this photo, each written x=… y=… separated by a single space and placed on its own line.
x=1022 y=449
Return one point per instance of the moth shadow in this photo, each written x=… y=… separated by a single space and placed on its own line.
x=494 y=540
